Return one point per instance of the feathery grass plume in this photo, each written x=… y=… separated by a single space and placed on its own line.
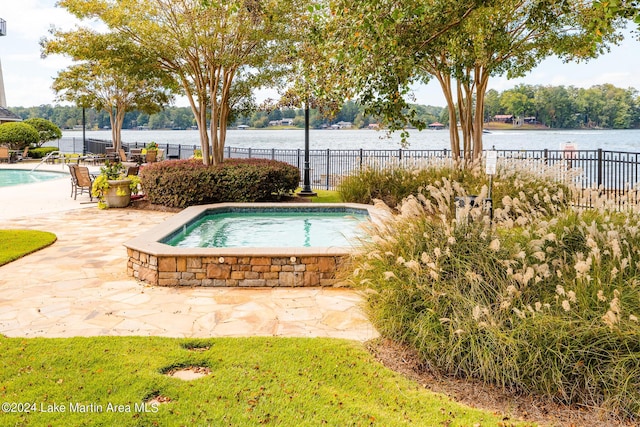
x=545 y=300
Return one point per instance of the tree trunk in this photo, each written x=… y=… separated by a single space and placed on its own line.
x=445 y=84
x=482 y=80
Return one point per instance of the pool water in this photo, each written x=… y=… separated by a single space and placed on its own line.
x=9 y=177
x=283 y=228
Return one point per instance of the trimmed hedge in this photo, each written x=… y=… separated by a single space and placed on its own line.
x=40 y=152
x=182 y=183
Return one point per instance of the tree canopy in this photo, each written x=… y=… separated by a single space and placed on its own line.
x=462 y=44
x=110 y=74
x=18 y=135
x=216 y=51
x=47 y=130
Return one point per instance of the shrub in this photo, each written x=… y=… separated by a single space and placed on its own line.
x=517 y=185
x=40 y=152
x=47 y=130
x=537 y=303
x=182 y=183
x=18 y=135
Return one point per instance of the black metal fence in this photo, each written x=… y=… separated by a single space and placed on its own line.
x=615 y=174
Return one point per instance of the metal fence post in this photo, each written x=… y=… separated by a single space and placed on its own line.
x=599 y=177
x=328 y=165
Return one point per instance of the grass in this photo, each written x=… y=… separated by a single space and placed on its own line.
x=253 y=381
x=325 y=196
x=542 y=299
x=15 y=244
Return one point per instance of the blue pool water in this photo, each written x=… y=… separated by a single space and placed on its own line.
x=272 y=228
x=10 y=177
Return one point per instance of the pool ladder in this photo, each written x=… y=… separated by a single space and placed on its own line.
x=53 y=154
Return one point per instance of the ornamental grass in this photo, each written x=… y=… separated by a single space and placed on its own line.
x=541 y=298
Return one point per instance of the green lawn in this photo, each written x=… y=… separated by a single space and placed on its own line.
x=325 y=196
x=15 y=244
x=252 y=381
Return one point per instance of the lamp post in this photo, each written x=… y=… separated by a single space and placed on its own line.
x=306 y=182
x=84 y=138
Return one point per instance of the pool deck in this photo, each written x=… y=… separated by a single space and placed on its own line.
x=79 y=285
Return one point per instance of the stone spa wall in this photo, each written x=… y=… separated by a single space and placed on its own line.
x=238 y=270
x=155 y=263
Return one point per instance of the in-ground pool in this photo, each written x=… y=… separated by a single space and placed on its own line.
x=256 y=227
x=301 y=244
x=10 y=177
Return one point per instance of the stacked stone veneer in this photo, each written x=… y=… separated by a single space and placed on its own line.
x=242 y=270
x=158 y=264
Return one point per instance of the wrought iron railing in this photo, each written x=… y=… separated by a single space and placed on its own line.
x=613 y=175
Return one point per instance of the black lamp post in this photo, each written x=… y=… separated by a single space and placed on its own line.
x=84 y=139
x=306 y=187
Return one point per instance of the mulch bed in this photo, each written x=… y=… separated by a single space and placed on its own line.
x=513 y=406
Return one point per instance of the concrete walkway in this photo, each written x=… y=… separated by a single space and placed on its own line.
x=79 y=287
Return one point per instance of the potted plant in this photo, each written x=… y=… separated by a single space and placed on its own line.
x=113 y=188
x=152 y=152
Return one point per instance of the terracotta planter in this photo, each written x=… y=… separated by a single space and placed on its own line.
x=118 y=195
x=151 y=156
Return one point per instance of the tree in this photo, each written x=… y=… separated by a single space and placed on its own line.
x=18 y=135
x=403 y=41
x=216 y=51
x=112 y=75
x=47 y=130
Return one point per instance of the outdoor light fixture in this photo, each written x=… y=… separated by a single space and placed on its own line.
x=306 y=187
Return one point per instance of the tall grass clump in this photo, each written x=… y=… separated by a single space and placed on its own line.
x=517 y=186
x=543 y=299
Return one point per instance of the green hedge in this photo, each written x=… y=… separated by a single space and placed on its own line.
x=38 y=153
x=182 y=183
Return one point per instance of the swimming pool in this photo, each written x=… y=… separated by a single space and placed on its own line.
x=255 y=227
x=9 y=177
x=270 y=262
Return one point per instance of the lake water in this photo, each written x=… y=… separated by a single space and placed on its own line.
x=612 y=140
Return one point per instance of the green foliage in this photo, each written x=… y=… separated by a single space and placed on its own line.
x=252 y=382
x=393 y=183
x=110 y=172
x=40 y=152
x=15 y=244
x=182 y=183
x=543 y=300
x=17 y=135
x=47 y=130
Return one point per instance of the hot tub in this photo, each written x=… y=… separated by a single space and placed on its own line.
x=288 y=257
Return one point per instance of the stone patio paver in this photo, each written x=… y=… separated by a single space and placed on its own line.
x=79 y=286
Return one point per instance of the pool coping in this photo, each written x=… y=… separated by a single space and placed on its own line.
x=160 y=264
x=149 y=241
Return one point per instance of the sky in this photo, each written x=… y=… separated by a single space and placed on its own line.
x=28 y=77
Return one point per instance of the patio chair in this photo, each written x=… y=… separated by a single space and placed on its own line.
x=4 y=154
x=123 y=155
x=80 y=180
x=111 y=155
x=132 y=170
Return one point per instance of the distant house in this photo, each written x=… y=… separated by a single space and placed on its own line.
x=7 y=116
x=374 y=126
x=531 y=120
x=283 y=122
x=342 y=125
x=436 y=126
x=503 y=118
